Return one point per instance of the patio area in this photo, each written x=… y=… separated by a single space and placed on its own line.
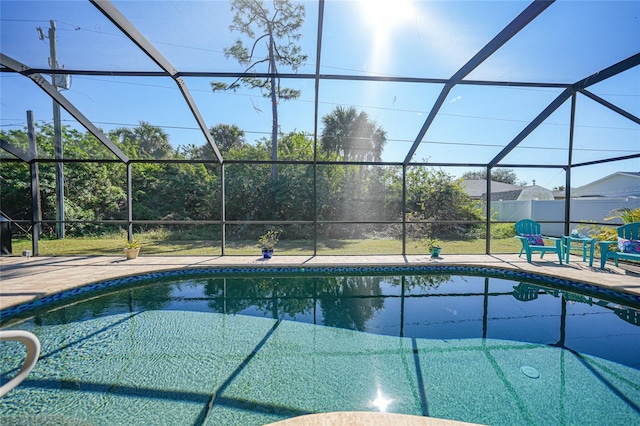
x=24 y=279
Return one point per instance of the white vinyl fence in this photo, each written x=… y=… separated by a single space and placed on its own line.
x=582 y=210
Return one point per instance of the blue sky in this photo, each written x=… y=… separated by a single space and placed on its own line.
x=569 y=41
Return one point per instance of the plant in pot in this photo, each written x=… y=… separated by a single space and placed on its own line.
x=434 y=247
x=267 y=241
x=131 y=248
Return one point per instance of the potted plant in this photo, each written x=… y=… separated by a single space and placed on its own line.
x=267 y=241
x=434 y=248
x=131 y=248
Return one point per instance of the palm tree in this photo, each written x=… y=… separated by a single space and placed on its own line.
x=226 y=137
x=352 y=135
x=151 y=141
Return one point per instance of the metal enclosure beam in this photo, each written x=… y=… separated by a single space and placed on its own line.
x=129 y=203
x=611 y=106
x=34 y=171
x=64 y=103
x=120 y=21
x=550 y=109
x=432 y=116
x=594 y=78
x=223 y=210
x=316 y=116
x=567 y=177
x=196 y=114
x=124 y=25
x=297 y=76
x=14 y=150
x=607 y=160
x=608 y=72
x=520 y=21
x=487 y=240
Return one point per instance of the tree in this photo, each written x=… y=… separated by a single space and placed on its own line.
x=94 y=190
x=499 y=174
x=352 y=135
x=437 y=198
x=175 y=191
x=279 y=29
x=226 y=137
x=343 y=305
x=147 y=140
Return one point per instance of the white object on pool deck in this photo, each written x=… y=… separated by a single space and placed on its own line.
x=361 y=418
x=33 y=351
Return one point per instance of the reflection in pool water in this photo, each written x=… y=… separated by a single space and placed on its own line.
x=257 y=349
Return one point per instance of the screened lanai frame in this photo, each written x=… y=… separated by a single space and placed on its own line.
x=567 y=94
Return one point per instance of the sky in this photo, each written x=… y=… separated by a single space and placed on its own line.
x=569 y=41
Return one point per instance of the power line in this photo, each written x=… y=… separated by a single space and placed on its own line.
x=432 y=142
x=173 y=88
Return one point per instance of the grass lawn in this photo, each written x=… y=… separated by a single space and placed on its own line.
x=113 y=246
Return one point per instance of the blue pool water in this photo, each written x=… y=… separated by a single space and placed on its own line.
x=225 y=349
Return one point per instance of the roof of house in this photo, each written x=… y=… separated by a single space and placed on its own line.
x=532 y=192
x=591 y=189
x=475 y=188
x=505 y=195
x=632 y=174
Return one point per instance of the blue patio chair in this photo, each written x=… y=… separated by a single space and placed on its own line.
x=628 y=245
x=528 y=231
x=629 y=315
x=526 y=292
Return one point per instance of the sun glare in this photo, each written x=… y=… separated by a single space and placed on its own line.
x=385 y=14
x=381 y=403
x=382 y=20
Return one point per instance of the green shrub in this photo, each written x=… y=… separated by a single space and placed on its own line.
x=626 y=214
x=610 y=232
x=599 y=232
x=503 y=230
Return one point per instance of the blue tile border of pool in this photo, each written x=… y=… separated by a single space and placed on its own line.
x=444 y=269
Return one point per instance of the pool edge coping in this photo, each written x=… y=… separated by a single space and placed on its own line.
x=23 y=308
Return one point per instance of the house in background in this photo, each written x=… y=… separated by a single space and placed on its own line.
x=616 y=185
x=591 y=203
x=533 y=192
x=477 y=190
x=559 y=194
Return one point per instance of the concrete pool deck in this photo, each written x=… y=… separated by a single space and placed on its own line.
x=23 y=279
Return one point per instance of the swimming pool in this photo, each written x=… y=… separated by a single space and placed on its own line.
x=237 y=346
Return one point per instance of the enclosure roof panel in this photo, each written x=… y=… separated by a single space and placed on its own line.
x=452 y=82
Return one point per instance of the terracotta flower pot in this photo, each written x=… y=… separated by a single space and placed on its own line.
x=131 y=253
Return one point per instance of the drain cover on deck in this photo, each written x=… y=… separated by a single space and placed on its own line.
x=530 y=372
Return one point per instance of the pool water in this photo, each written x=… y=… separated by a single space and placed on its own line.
x=252 y=350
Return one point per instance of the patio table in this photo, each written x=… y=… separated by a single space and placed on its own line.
x=566 y=246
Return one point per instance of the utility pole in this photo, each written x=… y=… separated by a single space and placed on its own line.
x=58 y=81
